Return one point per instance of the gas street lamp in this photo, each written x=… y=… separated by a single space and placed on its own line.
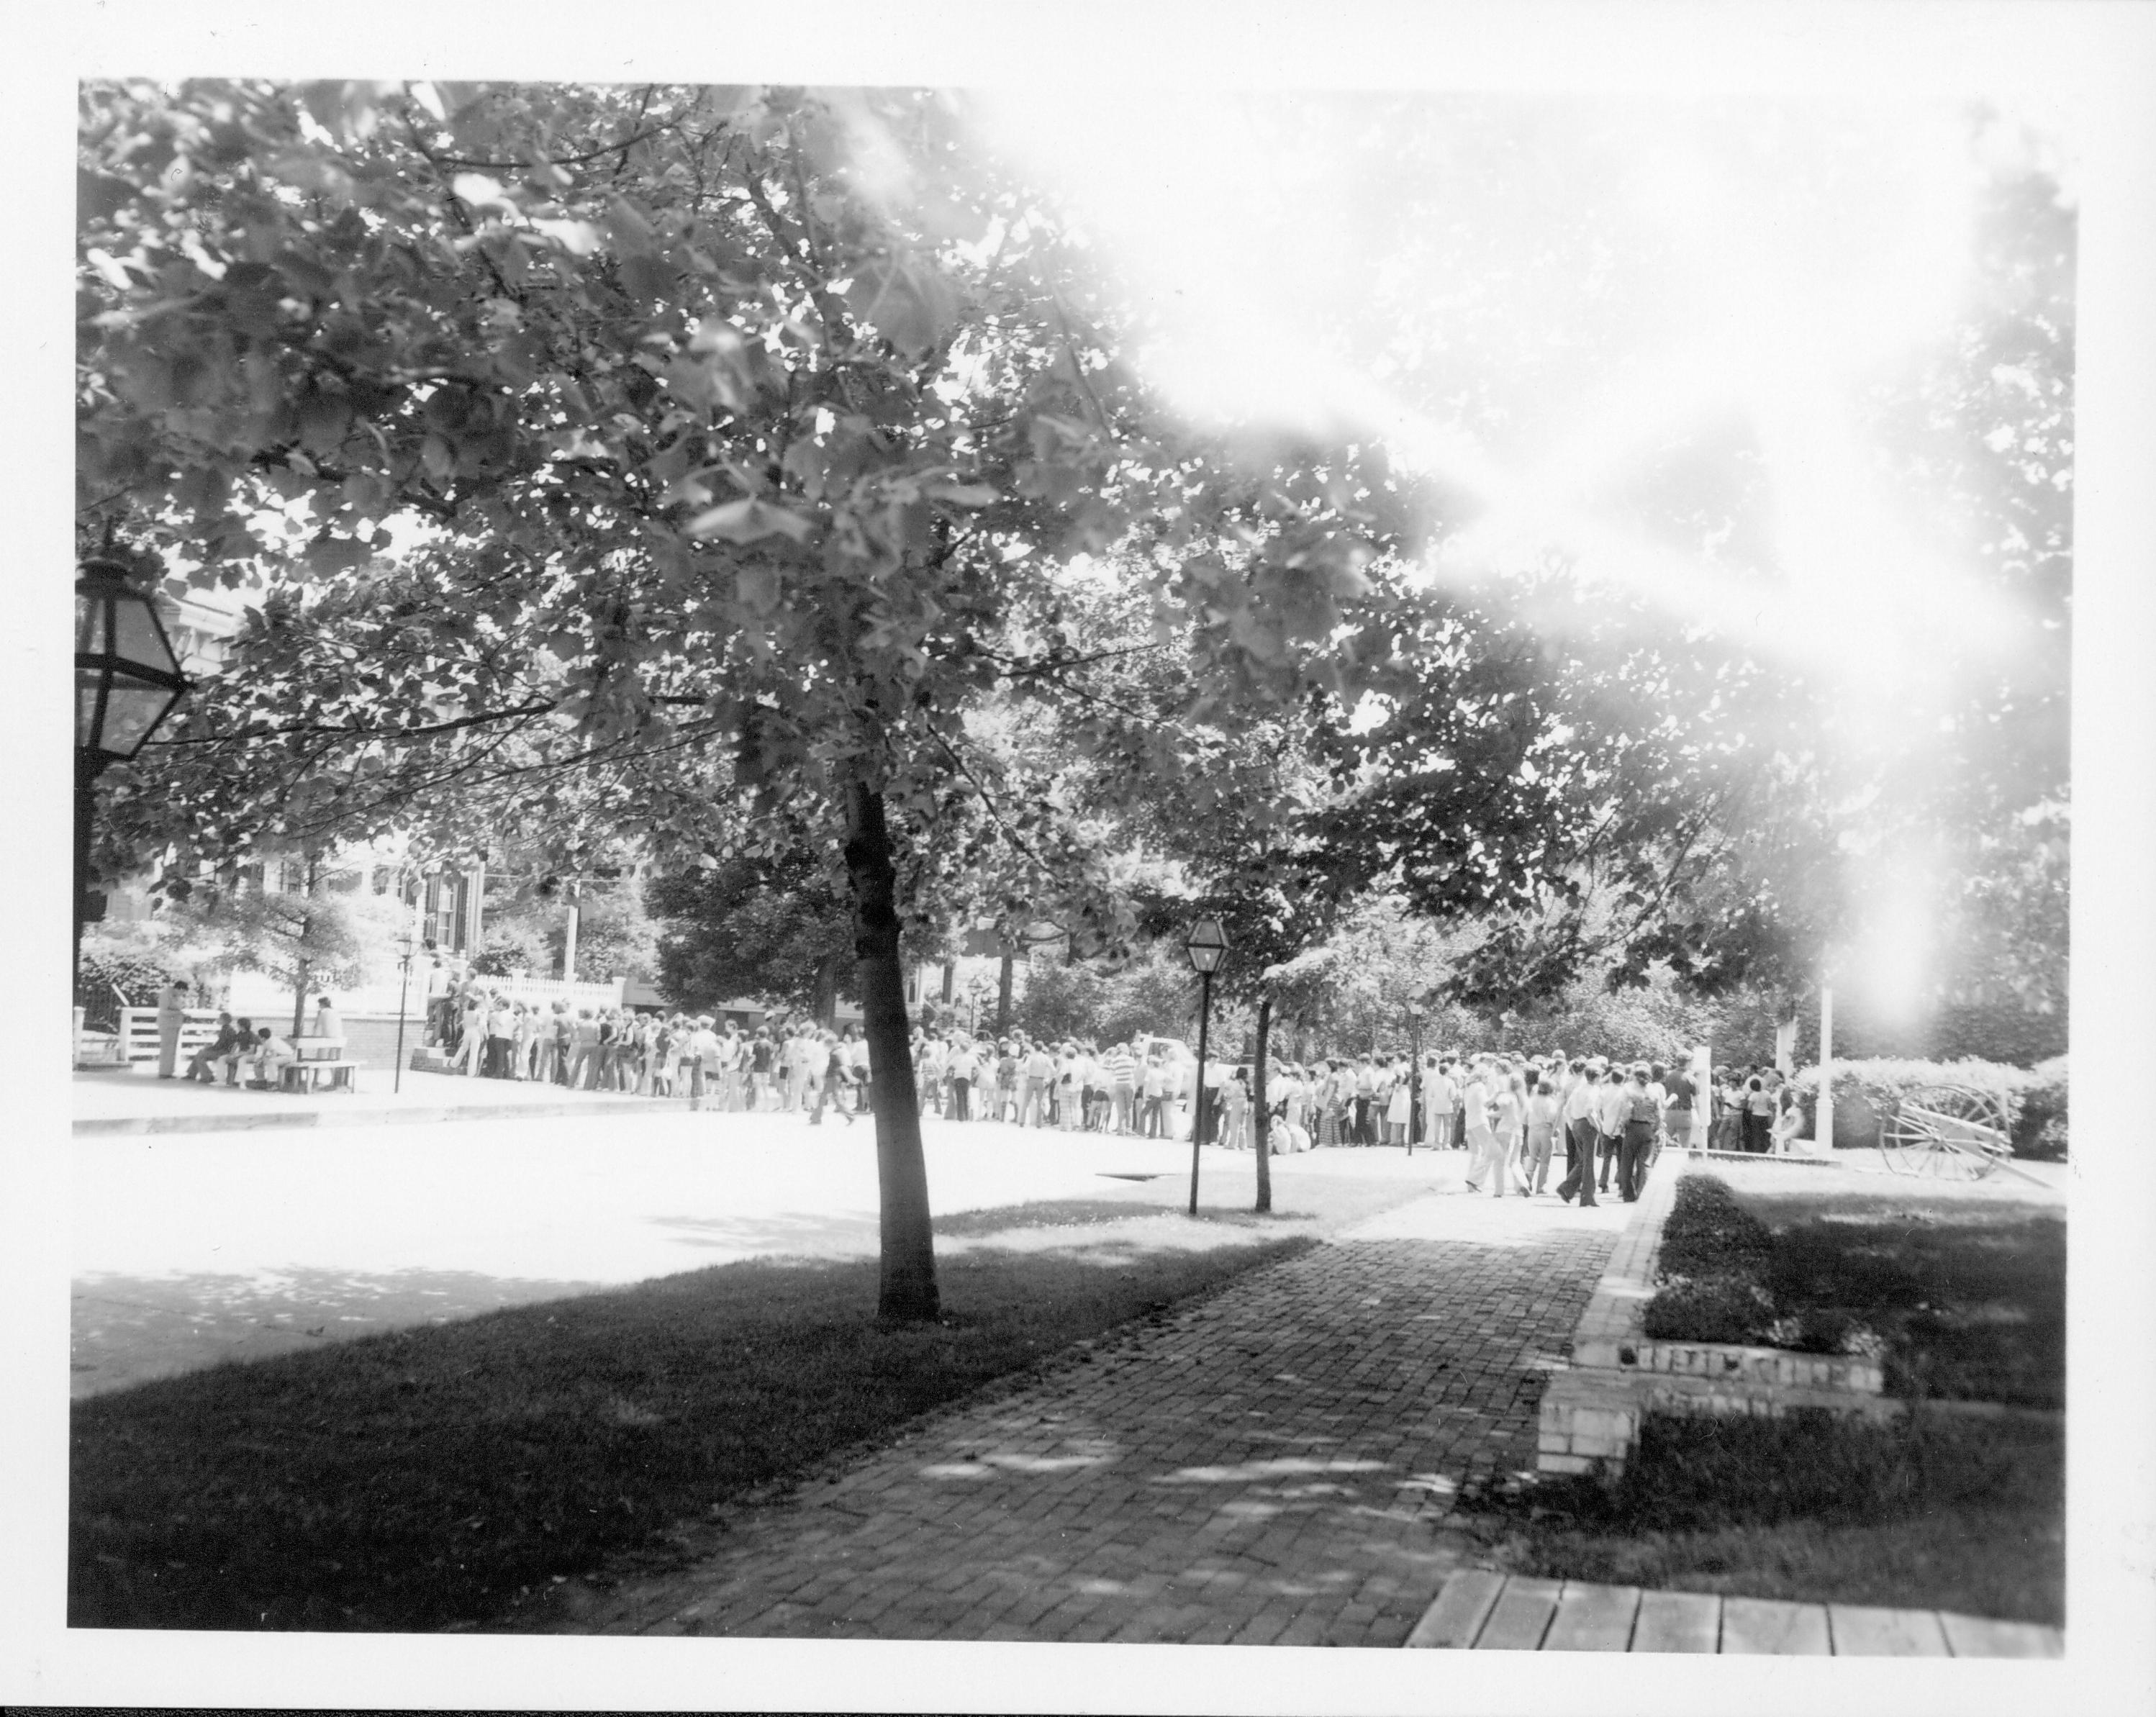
x=408 y=947
x=126 y=681
x=1207 y=946
x=1417 y=1004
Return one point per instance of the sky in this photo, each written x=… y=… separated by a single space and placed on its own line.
x=1600 y=322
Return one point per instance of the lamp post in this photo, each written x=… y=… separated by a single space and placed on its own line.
x=1207 y=944
x=126 y=681
x=407 y=946
x=1416 y=1003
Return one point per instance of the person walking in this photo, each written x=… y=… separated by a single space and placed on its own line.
x=1543 y=1111
x=1642 y=1115
x=172 y=1019
x=1481 y=1141
x=1235 y=1109
x=1758 y=1112
x=1678 y=1111
x=1580 y=1134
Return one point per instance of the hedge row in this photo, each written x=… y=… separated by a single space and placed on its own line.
x=104 y=979
x=1715 y=1258
x=1866 y=1093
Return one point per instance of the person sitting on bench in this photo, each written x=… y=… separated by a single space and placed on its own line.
x=241 y=1047
x=272 y=1053
x=217 y=1049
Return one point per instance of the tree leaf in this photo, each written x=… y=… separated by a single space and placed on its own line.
x=750 y=521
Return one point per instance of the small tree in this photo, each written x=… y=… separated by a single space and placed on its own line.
x=305 y=939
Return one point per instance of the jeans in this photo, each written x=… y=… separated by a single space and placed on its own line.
x=1632 y=1158
x=1579 y=1138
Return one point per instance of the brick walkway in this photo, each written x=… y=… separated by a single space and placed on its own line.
x=1267 y=1468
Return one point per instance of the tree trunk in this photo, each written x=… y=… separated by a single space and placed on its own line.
x=302 y=969
x=1003 y=996
x=1262 y=1120
x=907 y=1292
x=824 y=1004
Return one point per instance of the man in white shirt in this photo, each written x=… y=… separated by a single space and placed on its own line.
x=1611 y=1107
x=1039 y=1073
x=1577 y=1113
x=815 y=1073
x=701 y=1056
x=271 y=1055
x=1482 y=1157
x=1438 y=1093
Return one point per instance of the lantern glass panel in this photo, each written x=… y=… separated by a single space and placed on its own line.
x=131 y=711
x=86 y=683
x=1205 y=959
x=92 y=615
x=138 y=638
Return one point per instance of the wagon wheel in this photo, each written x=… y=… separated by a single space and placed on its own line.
x=1946 y=1133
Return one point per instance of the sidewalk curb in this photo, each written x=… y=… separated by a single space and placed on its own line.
x=256 y=1120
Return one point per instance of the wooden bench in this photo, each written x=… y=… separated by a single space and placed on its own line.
x=308 y=1072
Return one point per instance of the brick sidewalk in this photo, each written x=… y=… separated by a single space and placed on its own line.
x=1267 y=1468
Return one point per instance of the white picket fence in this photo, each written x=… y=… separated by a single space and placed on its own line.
x=138 y=1032
x=256 y=994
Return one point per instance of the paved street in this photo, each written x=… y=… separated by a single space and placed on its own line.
x=1269 y=1467
x=191 y=1248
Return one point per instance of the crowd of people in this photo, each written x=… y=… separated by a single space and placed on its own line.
x=1518 y=1117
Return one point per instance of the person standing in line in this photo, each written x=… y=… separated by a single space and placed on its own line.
x=1642 y=1114
x=1039 y=1068
x=1611 y=1107
x=1543 y=1119
x=1507 y=1098
x=471 y=1047
x=1481 y=1141
x=1678 y=1111
x=959 y=1068
x=816 y=1072
x=759 y=1071
x=1580 y=1132
x=1119 y=1071
x=172 y=1019
x=1457 y=1121
x=1152 y=1096
x=929 y=1072
x=1436 y=1102
x=1398 y=1099
x=1758 y=1115
x=1235 y=1110
x=1007 y=1066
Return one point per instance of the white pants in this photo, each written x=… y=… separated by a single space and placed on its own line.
x=1486 y=1161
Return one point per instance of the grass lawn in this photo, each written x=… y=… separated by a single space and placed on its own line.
x=439 y=1476
x=1950 y=1514
x=1967 y=1290
x=1969 y=1293
x=1966 y=1293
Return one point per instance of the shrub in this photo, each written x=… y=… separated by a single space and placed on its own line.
x=2041 y=1131
x=1730 y=1309
x=1709 y=1233
x=139 y=980
x=1866 y=1093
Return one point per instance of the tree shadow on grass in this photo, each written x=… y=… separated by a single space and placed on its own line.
x=432 y=1476
x=127 y=1330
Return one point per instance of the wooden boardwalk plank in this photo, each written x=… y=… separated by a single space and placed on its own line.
x=1979 y=1636
x=1866 y=1630
x=1770 y=1627
x=1521 y=1616
x=1463 y=1605
x=1592 y=1618
x=1678 y=1621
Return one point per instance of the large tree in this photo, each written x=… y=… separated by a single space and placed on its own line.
x=758 y=420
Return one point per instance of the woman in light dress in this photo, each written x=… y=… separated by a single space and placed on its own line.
x=1398 y=1098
